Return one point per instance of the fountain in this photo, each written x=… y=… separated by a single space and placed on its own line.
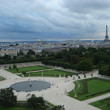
x=28 y=86
x=30 y=81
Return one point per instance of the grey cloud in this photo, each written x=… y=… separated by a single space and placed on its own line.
x=86 y=6
x=49 y=19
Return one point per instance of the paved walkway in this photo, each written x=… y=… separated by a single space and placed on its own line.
x=8 y=75
x=59 y=97
x=55 y=95
x=97 y=98
x=40 y=70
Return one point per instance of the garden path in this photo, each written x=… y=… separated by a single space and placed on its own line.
x=8 y=75
x=97 y=98
x=57 y=94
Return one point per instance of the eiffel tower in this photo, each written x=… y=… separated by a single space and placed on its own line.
x=106 y=36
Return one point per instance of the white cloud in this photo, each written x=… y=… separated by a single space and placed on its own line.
x=54 y=18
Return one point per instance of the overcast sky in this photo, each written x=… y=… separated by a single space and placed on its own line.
x=54 y=19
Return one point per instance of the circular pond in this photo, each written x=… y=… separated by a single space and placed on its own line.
x=29 y=86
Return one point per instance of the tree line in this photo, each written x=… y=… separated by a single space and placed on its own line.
x=81 y=59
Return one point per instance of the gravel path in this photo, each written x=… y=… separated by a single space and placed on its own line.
x=97 y=98
x=8 y=75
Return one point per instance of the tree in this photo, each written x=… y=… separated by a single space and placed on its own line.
x=59 y=107
x=20 y=53
x=66 y=76
x=24 y=72
x=36 y=102
x=105 y=70
x=101 y=57
x=17 y=69
x=9 y=67
x=16 y=44
x=14 y=57
x=75 y=59
x=92 y=49
x=6 y=57
x=7 y=97
x=14 y=66
x=85 y=65
x=30 y=52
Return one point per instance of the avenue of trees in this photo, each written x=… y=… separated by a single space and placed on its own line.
x=81 y=59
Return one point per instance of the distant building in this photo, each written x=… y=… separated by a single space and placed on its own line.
x=9 y=51
x=57 y=49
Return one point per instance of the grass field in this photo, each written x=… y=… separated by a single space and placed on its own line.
x=95 y=87
x=26 y=69
x=103 y=104
x=50 y=73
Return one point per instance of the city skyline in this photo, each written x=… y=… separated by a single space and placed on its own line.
x=53 y=19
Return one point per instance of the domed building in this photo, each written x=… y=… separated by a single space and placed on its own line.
x=38 y=41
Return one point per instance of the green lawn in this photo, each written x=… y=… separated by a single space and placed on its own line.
x=14 y=108
x=95 y=87
x=30 y=68
x=50 y=73
x=103 y=104
x=19 y=108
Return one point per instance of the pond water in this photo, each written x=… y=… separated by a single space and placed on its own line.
x=29 y=86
